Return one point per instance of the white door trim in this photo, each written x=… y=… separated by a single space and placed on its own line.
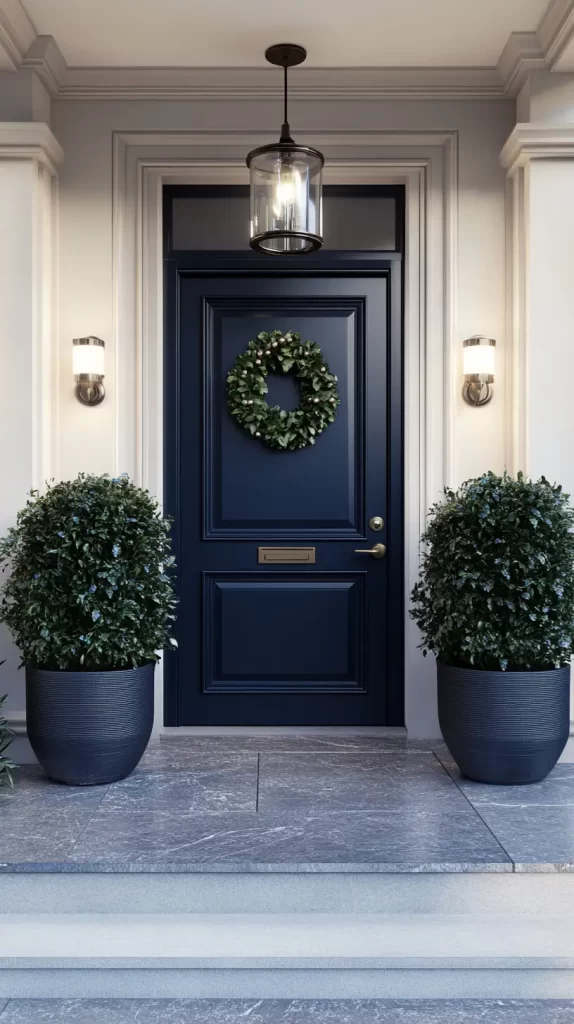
x=427 y=164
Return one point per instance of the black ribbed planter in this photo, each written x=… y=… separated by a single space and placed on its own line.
x=505 y=728
x=89 y=728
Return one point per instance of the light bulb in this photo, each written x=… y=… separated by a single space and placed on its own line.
x=286 y=192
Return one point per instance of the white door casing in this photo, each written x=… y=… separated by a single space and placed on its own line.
x=427 y=165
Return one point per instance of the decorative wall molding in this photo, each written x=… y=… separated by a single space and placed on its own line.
x=243 y=84
x=526 y=52
x=526 y=142
x=536 y=141
x=16 y=721
x=17 y=34
x=32 y=140
x=523 y=53
x=45 y=58
x=427 y=164
x=556 y=30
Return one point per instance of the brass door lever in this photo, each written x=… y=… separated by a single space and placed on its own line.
x=377 y=551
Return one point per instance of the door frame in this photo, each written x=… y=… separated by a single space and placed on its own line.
x=427 y=165
x=387 y=265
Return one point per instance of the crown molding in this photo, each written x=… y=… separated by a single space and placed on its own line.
x=556 y=29
x=31 y=140
x=535 y=51
x=522 y=54
x=227 y=84
x=45 y=58
x=17 y=34
x=536 y=142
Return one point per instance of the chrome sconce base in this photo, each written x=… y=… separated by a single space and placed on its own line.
x=89 y=389
x=477 y=392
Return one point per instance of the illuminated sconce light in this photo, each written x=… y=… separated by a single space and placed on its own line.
x=89 y=370
x=478 y=369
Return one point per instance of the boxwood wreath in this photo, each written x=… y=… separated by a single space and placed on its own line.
x=282 y=429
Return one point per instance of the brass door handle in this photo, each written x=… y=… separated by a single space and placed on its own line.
x=377 y=551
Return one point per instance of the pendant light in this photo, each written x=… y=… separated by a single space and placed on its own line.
x=286 y=182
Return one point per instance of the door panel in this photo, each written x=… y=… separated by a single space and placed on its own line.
x=275 y=504
x=240 y=609
x=265 y=644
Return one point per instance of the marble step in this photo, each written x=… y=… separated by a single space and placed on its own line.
x=275 y=1011
x=291 y=955
x=288 y=940
x=280 y=892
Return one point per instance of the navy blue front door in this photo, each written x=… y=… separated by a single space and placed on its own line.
x=302 y=643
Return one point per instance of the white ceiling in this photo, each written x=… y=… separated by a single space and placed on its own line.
x=235 y=33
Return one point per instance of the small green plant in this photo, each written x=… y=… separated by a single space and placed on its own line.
x=496 y=586
x=88 y=586
x=6 y=765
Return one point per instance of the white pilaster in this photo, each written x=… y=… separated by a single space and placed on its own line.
x=539 y=158
x=540 y=162
x=29 y=154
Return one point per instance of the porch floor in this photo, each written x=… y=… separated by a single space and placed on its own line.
x=296 y=803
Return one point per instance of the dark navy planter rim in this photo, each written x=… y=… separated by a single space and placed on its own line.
x=508 y=674
x=63 y=672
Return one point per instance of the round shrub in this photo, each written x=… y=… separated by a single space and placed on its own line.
x=87 y=585
x=496 y=586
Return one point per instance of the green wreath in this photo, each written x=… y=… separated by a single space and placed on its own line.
x=281 y=429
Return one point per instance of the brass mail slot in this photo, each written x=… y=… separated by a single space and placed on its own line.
x=298 y=555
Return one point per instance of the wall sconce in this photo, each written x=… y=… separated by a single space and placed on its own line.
x=89 y=370
x=478 y=369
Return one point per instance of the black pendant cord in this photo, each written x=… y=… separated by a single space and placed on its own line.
x=285 y=129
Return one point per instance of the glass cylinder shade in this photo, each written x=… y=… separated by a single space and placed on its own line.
x=479 y=358
x=88 y=357
x=286 y=185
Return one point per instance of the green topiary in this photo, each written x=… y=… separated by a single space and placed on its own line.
x=496 y=586
x=88 y=587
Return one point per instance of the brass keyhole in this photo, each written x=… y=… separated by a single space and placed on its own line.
x=376 y=523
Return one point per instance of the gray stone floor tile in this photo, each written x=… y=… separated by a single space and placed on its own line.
x=210 y=782
x=555 y=790
x=177 y=752
x=3 y=1003
x=355 y=781
x=536 y=837
x=33 y=834
x=233 y=841
x=283 y=1011
x=32 y=787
